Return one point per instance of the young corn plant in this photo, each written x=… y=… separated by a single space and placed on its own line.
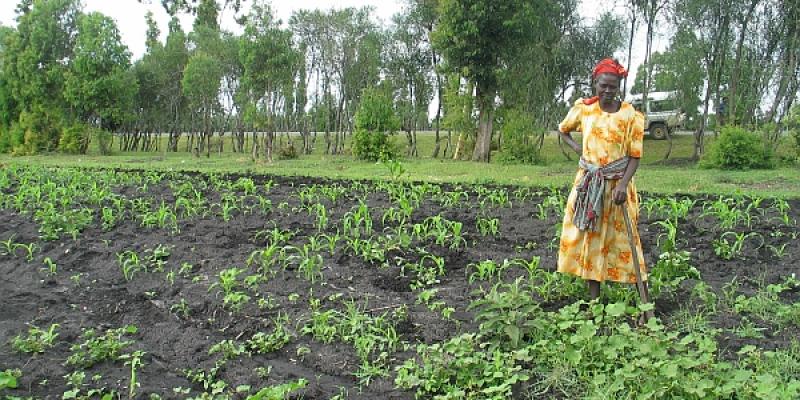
x=357 y=222
x=52 y=268
x=726 y=211
x=28 y=250
x=486 y=270
x=728 y=250
x=162 y=217
x=488 y=226
x=134 y=361
x=130 y=264
x=309 y=263
x=668 y=240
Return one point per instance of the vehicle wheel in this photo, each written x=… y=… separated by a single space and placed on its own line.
x=658 y=131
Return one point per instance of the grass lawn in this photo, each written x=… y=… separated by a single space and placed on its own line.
x=675 y=176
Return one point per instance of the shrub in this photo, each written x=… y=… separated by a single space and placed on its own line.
x=375 y=123
x=738 y=148
x=75 y=139
x=104 y=140
x=793 y=124
x=288 y=152
x=11 y=137
x=37 y=130
x=521 y=139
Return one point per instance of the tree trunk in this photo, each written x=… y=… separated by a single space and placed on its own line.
x=438 y=107
x=651 y=17
x=732 y=101
x=459 y=146
x=630 y=45
x=483 y=142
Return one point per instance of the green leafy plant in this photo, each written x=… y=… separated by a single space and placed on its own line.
x=96 y=348
x=8 y=379
x=37 y=341
x=375 y=123
x=737 y=148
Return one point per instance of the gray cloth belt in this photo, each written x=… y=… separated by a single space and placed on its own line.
x=591 y=188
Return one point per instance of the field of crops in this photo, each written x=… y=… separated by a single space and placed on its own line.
x=153 y=285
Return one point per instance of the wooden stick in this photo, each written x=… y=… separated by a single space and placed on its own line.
x=644 y=298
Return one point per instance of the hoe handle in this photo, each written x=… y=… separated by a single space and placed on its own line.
x=644 y=298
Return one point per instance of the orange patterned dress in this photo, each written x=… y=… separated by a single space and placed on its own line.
x=606 y=253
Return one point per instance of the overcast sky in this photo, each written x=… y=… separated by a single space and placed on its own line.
x=129 y=15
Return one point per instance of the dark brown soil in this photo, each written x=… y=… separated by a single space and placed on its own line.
x=89 y=290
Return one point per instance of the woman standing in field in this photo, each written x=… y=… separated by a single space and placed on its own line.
x=594 y=241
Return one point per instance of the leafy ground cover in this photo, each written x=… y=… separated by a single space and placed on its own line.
x=143 y=284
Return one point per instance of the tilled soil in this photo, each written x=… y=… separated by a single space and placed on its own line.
x=89 y=291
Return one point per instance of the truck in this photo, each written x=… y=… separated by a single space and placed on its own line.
x=663 y=114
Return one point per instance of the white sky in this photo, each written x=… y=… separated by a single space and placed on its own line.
x=129 y=15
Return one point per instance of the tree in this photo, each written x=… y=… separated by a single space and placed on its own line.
x=98 y=84
x=173 y=63
x=201 y=83
x=269 y=62
x=478 y=37
x=36 y=57
x=425 y=15
x=651 y=10
x=343 y=55
x=710 y=21
x=409 y=68
x=151 y=37
x=190 y=6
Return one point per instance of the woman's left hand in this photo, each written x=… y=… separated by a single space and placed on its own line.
x=620 y=193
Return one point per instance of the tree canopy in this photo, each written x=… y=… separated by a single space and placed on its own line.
x=467 y=66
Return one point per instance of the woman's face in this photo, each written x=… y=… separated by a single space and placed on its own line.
x=606 y=87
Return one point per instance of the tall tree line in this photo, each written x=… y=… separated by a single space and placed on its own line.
x=458 y=67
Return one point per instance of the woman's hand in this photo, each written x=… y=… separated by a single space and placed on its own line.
x=620 y=193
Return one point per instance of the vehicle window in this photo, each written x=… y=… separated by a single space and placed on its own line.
x=663 y=105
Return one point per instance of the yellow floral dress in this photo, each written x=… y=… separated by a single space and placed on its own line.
x=606 y=253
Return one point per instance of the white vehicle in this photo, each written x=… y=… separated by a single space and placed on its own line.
x=663 y=114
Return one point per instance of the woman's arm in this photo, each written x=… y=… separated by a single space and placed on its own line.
x=620 y=192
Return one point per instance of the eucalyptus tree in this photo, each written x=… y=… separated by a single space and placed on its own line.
x=534 y=84
x=743 y=17
x=203 y=74
x=651 y=10
x=201 y=85
x=172 y=64
x=232 y=106
x=343 y=49
x=314 y=34
x=479 y=37
x=357 y=64
x=99 y=86
x=425 y=15
x=409 y=68
x=269 y=62
x=785 y=24
x=710 y=21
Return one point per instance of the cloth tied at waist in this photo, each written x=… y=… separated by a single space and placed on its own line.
x=591 y=189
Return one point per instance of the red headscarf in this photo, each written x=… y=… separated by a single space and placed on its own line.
x=606 y=66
